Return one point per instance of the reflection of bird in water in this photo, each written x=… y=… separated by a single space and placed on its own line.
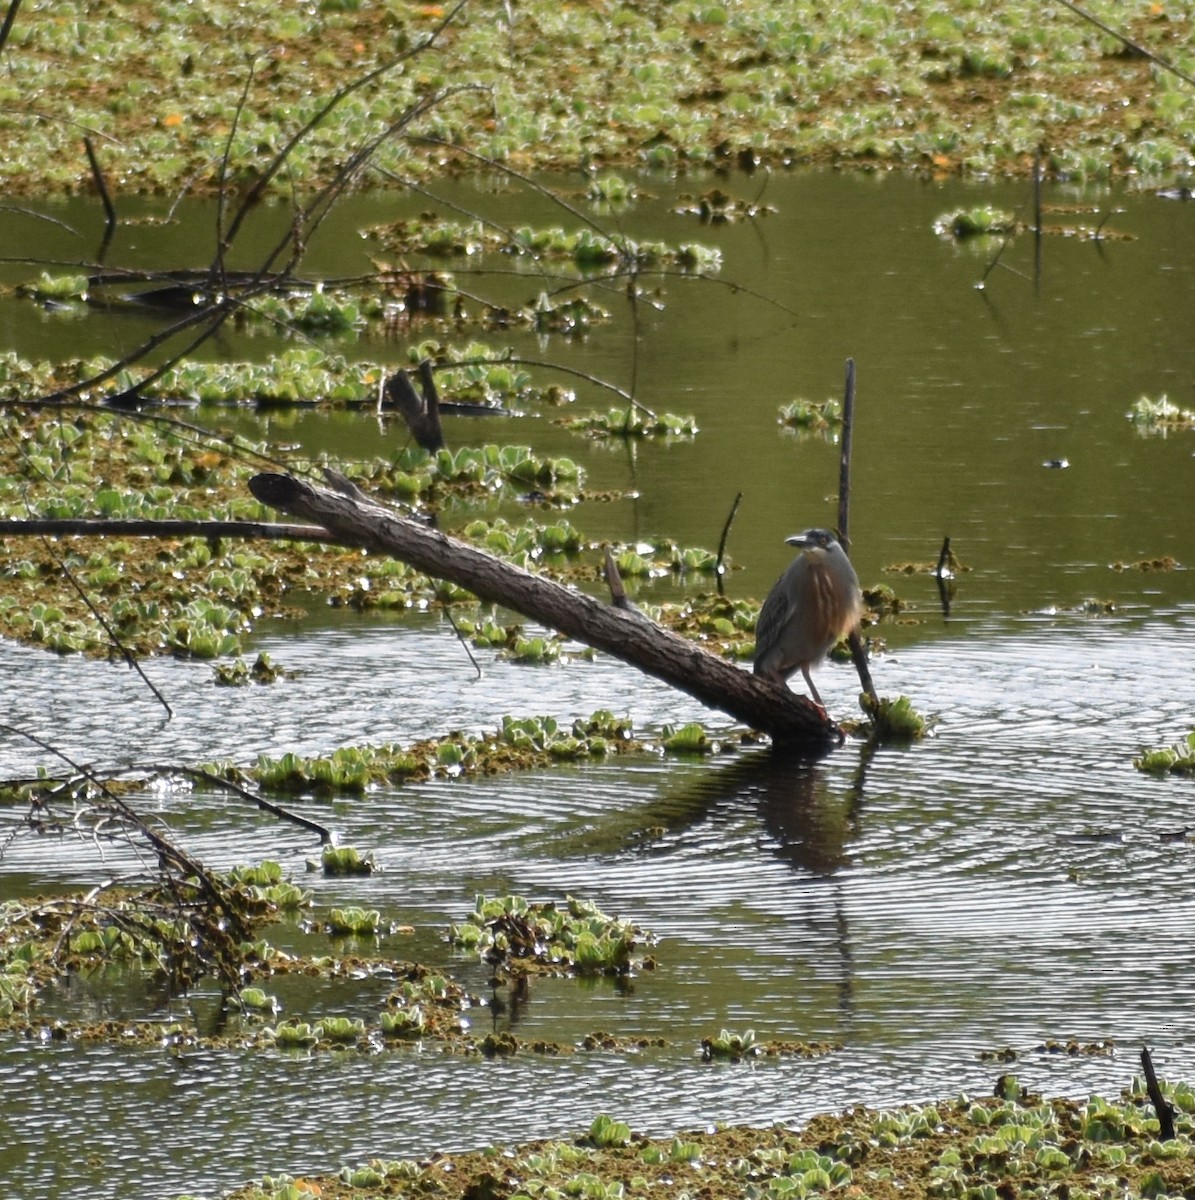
x=814 y=603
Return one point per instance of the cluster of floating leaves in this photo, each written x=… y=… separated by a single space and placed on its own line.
x=519 y=743
x=389 y=301
x=577 y=937
x=716 y=207
x=1160 y=415
x=471 y=373
x=195 y=597
x=177 y=931
x=734 y=1047
x=586 y=248
x=632 y=422
x=811 y=416
x=42 y=940
x=982 y=220
x=1178 y=759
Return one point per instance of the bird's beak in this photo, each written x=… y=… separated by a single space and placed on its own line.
x=797 y=539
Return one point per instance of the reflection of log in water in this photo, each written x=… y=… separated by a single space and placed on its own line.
x=811 y=827
x=808 y=826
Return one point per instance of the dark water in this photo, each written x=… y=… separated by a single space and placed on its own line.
x=1012 y=879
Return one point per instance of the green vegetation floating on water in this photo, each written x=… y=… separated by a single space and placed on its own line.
x=936 y=86
x=893 y=719
x=193 y=596
x=983 y=220
x=198 y=598
x=301 y=377
x=576 y=937
x=632 y=422
x=808 y=416
x=1178 y=759
x=964 y=1149
x=521 y=742
x=338 y=861
x=584 y=248
x=1160 y=416
x=177 y=935
x=733 y=1047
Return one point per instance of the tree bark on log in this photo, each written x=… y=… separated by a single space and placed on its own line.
x=789 y=719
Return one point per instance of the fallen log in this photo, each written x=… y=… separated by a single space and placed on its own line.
x=789 y=719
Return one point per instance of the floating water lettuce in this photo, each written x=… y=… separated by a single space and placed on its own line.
x=577 y=937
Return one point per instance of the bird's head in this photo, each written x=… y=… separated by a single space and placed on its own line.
x=813 y=539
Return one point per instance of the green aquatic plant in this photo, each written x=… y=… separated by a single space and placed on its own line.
x=347 y=860
x=573 y=316
x=964 y=90
x=1160 y=415
x=340 y=1029
x=255 y=1000
x=632 y=422
x=240 y=674
x=519 y=743
x=286 y=897
x=342 y=771
x=316 y=312
x=611 y=192
x=532 y=543
x=688 y=739
x=962 y=1149
x=403 y=1022
x=586 y=248
x=1178 y=759
x=894 y=719
x=730 y=1045
x=810 y=416
x=266 y=873
x=17 y=988
x=605 y=1131
x=577 y=937
x=58 y=287
x=716 y=207
x=291 y=1035
x=593 y=738
x=354 y=921
x=981 y=220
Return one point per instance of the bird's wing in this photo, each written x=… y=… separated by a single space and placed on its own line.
x=773 y=617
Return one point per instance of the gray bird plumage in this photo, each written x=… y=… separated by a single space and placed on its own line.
x=814 y=603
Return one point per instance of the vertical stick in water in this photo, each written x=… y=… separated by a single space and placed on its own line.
x=1037 y=168
x=858 y=650
x=844 y=458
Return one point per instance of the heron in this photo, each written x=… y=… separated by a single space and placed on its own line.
x=814 y=603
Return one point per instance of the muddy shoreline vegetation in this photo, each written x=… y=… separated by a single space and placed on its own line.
x=297 y=105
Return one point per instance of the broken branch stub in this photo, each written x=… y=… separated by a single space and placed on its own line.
x=788 y=718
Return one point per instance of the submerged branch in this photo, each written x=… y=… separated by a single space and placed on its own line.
x=100 y=527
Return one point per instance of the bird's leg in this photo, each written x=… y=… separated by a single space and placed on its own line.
x=813 y=692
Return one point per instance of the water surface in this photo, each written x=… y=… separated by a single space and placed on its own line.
x=1010 y=880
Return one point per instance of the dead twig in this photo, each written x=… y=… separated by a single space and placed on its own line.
x=720 y=565
x=125 y=653
x=9 y=18
x=1162 y=1106
x=101 y=186
x=326 y=836
x=854 y=640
